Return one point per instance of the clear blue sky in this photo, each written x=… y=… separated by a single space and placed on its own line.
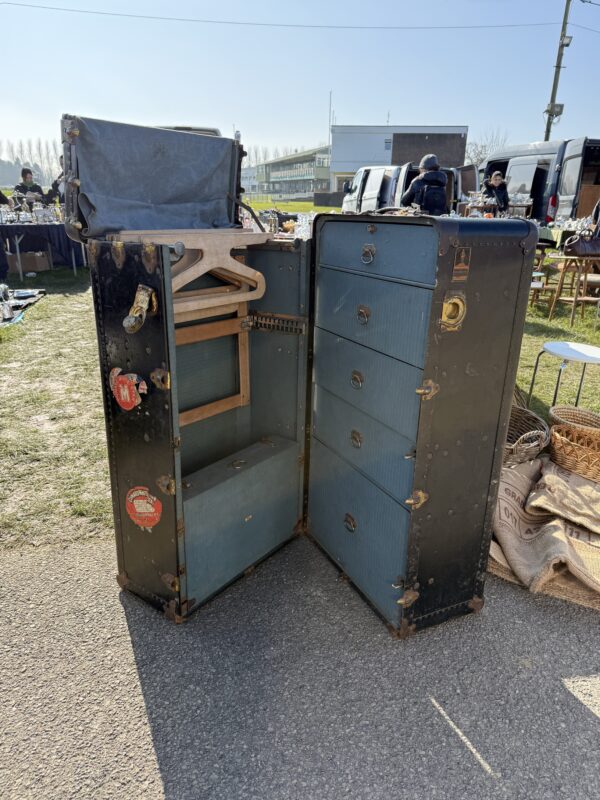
x=273 y=84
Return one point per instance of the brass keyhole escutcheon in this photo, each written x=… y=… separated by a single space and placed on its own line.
x=357 y=379
x=350 y=523
x=454 y=311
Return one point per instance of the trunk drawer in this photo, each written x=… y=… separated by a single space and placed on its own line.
x=376 y=249
x=373 y=312
x=376 y=450
x=361 y=527
x=382 y=387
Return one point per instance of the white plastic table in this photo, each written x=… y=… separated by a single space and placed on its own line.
x=567 y=351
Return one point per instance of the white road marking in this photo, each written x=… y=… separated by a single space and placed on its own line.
x=587 y=690
x=471 y=747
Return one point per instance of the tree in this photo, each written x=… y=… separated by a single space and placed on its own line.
x=276 y=152
x=491 y=140
x=265 y=153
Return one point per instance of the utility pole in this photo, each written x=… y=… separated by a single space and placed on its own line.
x=554 y=109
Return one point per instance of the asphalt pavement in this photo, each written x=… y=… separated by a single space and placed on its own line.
x=286 y=687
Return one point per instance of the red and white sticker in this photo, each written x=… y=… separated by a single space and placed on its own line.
x=143 y=508
x=127 y=389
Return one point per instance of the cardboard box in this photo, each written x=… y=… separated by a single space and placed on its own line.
x=30 y=262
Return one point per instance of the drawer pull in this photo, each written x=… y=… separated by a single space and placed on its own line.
x=350 y=523
x=368 y=254
x=362 y=314
x=356 y=439
x=357 y=379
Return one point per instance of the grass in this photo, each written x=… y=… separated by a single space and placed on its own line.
x=54 y=484
x=290 y=208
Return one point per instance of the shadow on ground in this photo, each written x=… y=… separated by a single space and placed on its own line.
x=287 y=685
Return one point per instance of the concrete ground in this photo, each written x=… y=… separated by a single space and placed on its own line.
x=287 y=686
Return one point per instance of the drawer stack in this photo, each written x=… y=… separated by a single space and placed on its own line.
x=374 y=287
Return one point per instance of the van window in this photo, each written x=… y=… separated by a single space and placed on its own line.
x=570 y=176
x=374 y=182
x=520 y=177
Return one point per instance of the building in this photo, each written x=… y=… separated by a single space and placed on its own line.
x=296 y=176
x=250 y=180
x=355 y=146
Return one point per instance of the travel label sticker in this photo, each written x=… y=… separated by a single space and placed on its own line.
x=143 y=508
x=462 y=262
x=127 y=389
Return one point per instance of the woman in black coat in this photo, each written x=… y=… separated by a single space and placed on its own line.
x=496 y=187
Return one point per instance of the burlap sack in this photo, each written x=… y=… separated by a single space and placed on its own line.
x=566 y=495
x=536 y=544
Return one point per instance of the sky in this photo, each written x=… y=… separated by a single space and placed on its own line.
x=273 y=84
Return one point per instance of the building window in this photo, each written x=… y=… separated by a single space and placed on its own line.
x=387 y=145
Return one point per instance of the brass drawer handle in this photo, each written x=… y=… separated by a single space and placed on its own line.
x=356 y=439
x=357 y=379
x=368 y=253
x=350 y=523
x=362 y=314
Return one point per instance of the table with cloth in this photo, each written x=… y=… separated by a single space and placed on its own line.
x=50 y=237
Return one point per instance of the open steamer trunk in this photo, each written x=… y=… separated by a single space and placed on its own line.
x=355 y=387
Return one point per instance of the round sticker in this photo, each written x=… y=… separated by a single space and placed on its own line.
x=143 y=508
x=126 y=389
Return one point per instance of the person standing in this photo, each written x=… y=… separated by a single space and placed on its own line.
x=494 y=187
x=428 y=189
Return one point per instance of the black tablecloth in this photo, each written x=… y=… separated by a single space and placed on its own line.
x=36 y=237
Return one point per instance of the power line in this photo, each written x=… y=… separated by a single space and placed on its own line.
x=277 y=24
x=584 y=27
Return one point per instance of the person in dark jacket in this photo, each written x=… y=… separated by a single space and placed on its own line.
x=495 y=187
x=428 y=189
x=31 y=191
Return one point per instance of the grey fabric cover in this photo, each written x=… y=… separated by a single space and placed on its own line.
x=139 y=178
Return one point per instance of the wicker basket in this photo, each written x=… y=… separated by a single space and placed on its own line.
x=527 y=436
x=575 y=450
x=578 y=418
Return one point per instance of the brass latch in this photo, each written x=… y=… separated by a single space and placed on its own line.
x=144 y=302
x=417 y=499
x=409 y=597
x=454 y=311
x=428 y=389
x=166 y=484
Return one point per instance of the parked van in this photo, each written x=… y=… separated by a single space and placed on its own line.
x=378 y=187
x=562 y=177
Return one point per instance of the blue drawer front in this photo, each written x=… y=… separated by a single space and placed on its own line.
x=373 y=555
x=377 y=451
x=405 y=252
x=389 y=317
x=382 y=387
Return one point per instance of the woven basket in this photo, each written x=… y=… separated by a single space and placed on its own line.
x=527 y=436
x=576 y=450
x=578 y=418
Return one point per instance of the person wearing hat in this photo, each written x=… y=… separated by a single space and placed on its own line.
x=495 y=187
x=428 y=189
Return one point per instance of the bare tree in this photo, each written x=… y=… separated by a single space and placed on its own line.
x=276 y=153
x=11 y=151
x=287 y=150
x=265 y=153
x=491 y=140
